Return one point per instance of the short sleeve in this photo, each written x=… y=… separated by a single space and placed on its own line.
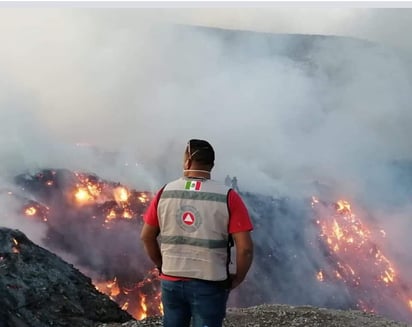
x=239 y=220
x=150 y=216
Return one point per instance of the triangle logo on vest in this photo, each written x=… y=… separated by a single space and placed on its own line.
x=188 y=218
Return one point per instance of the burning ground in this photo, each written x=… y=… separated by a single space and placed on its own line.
x=39 y=289
x=308 y=251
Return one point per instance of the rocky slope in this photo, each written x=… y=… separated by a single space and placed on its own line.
x=39 y=289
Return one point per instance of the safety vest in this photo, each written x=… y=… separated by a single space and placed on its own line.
x=193 y=218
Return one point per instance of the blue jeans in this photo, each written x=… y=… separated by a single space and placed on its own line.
x=203 y=301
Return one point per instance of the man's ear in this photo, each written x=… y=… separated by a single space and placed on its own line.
x=188 y=163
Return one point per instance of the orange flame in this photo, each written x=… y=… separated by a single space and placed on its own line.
x=30 y=211
x=358 y=258
x=120 y=194
x=112 y=202
x=143 y=198
x=14 y=248
x=133 y=299
x=82 y=195
x=143 y=313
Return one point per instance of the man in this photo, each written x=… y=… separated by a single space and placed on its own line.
x=234 y=184
x=196 y=219
x=228 y=181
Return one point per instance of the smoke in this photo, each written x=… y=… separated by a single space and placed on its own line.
x=119 y=93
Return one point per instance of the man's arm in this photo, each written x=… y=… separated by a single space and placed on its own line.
x=151 y=230
x=244 y=256
x=149 y=238
x=240 y=226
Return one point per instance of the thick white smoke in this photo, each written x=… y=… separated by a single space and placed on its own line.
x=282 y=111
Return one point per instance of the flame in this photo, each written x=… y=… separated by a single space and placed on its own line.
x=35 y=210
x=358 y=259
x=15 y=248
x=125 y=306
x=111 y=215
x=343 y=206
x=120 y=194
x=30 y=211
x=110 y=288
x=127 y=214
x=143 y=313
x=319 y=276
x=135 y=299
x=143 y=198
x=107 y=203
x=82 y=195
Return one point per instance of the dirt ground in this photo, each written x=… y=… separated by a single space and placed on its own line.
x=287 y=316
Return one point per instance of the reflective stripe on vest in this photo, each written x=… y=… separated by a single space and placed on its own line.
x=194 y=230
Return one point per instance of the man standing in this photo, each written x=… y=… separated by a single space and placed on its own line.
x=228 y=181
x=197 y=219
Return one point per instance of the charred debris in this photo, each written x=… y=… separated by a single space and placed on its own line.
x=39 y=289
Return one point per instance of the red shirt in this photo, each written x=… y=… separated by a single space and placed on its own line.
x=239 y=220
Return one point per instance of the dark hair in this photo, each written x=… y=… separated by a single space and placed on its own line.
x=200 y=151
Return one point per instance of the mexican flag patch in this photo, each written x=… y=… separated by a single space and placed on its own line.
x=193 y=185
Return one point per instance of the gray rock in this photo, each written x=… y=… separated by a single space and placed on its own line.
x=286 y=316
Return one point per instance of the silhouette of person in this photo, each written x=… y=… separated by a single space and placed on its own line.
x=228 y=181
x=234 y=184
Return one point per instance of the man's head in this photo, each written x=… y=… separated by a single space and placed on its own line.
x=199 y=154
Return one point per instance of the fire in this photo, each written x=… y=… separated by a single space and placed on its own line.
x=143 y=198
x=127 y=214
x=30 y=211
x=35 y=210
x=143 y=305
x=358 y=260
x=107 y=205
x=14 y=247
x=343 y=206
x=141 y=299
x=121 y=194
x=82 y=195
x=111 y=215
x=110 y=288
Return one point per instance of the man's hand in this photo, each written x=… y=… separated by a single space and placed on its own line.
x=234 y=281
x=149 y=237
x=244 y=256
